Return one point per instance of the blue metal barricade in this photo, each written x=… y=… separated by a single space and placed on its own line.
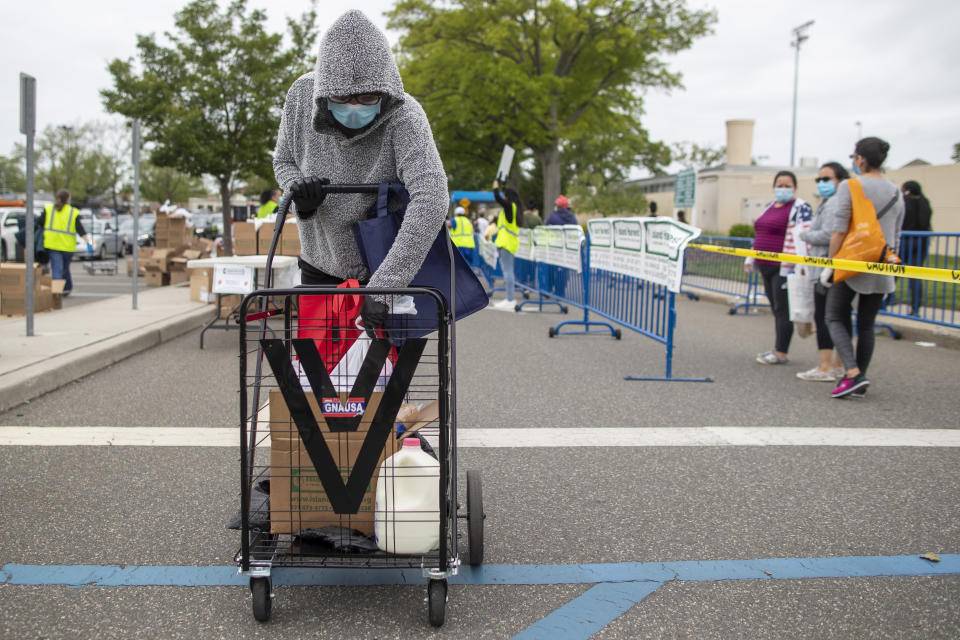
x=927 y=301
x=722 y=273
x=488 y=265
x=639 y=305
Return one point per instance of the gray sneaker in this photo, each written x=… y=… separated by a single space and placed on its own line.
x=771 y=358
x=816 y=375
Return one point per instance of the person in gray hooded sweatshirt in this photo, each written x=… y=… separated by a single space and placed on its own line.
x=350 y=122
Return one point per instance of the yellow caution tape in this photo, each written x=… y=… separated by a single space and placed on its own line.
x=882 y=268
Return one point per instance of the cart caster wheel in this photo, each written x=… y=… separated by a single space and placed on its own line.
x=617 y=334
x=262 y=598
x=475 y=518
x=731 y=312
x=516 y=307
x=564 y=309
x=551 y=332
x=437 y=601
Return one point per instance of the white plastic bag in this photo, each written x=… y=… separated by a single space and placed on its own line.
x=345 y=373
x=800 y=296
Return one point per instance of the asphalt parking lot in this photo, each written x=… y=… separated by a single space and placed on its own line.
x=595 y=537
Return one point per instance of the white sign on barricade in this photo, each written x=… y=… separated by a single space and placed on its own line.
x=488 y=251
x=525 y=251
x=228 y=278
x=647 y=248
x=559 y=245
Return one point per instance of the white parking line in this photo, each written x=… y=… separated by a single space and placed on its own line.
x=513 y=438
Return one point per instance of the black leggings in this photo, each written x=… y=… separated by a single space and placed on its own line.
x=775 y=286
x=819 y=317
x=839 y=307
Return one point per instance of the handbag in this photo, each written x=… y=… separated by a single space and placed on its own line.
x=375 y=236
x=864 y=240
x=331 y=321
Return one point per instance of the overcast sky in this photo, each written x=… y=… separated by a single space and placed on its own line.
x=891 y=65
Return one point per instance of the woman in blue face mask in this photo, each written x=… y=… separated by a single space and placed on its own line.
x=775 y=231
x=830 y=368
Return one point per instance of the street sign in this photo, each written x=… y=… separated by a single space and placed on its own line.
x=28 y=104
x=684 y=191
x=506 y=159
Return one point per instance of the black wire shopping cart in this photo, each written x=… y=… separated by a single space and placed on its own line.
x=321 y=409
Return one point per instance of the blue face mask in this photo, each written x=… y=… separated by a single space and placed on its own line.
x=782 y=194
x=856 y=170
x=826 y=188
x=354 y=116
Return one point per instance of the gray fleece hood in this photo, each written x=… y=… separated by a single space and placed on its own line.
x=354 y=57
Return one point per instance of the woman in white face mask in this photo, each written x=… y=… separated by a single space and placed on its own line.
x=775 y=232
x=830 y=368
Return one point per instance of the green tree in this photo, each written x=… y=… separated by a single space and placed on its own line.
x=210 y=102
x=12 y=176
x=166 y=183
x=90 y=159
x=608 y=199
x=692 y=155
x=956 y=152
x=562 y=79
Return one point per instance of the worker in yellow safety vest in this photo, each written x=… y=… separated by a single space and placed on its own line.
x=461 y=233
x=508 y=240
x=61 y=225
x=268 y=202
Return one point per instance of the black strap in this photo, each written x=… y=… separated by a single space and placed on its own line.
x=892 y=202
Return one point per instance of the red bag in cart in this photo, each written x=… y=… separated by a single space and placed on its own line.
x=331 y=321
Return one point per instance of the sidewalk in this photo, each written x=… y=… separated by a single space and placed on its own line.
x=70 y=343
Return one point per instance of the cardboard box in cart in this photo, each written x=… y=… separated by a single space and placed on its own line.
x=297 y=498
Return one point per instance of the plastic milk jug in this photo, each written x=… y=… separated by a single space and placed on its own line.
x=407 y=516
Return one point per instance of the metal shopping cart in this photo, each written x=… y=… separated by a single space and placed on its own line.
x=319 y=424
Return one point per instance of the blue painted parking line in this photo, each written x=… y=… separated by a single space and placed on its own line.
x=584 y=616
x=502 y=574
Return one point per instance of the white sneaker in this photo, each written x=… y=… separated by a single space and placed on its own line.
x=816 y=375
x=505 y=305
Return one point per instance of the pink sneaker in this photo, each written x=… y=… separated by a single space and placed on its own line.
x=848 y=386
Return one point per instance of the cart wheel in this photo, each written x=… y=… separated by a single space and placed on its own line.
x=564 y=309
x=551 y=332
x=731 y=312
x=262 y=598
x=475 y=517
x=617 y=334
x=516 y=307
x=437 y=601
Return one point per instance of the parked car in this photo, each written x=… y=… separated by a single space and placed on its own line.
x=10 y=221
x=207 y=225
x=145 y=230
x=105 y=240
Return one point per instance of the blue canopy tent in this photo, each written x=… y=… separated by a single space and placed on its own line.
x=472 y=196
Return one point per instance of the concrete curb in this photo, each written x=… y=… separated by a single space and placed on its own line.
x=912 y=330
x=46 y=376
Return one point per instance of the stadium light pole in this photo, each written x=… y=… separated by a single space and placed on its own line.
x=799 y=35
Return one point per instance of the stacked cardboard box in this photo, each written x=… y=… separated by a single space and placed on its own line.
x=290 y=238
x=13 y=289
x=201 y=285
x=168 y=265
x=297 y=498
x=289 y=244
x=171 y=233
x=245 y=239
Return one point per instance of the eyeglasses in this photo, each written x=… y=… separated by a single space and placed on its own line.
x=362 y=98
x=824 y=179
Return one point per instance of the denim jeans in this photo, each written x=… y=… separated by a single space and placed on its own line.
x=775 y=286
x=60 y=267
x=506 y=265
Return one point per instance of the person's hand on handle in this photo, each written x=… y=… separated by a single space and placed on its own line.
x=374 y=314
x=308 y=194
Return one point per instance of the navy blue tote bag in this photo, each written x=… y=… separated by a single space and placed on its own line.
x=375 y=237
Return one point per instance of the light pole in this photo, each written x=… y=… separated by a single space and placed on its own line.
x=799 y=35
